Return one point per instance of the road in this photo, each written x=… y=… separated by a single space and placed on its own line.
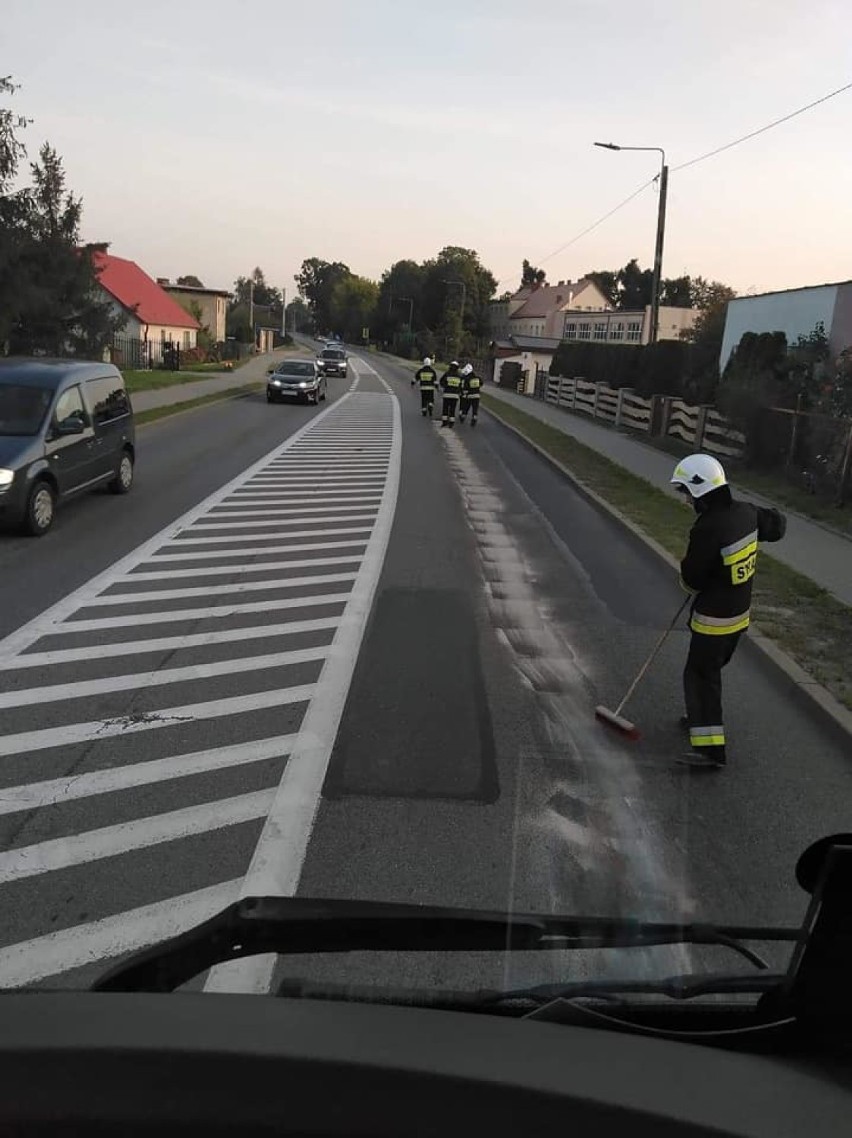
x=340 y=652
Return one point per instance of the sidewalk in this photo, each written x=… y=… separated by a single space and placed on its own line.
x=809 y=548
x=213 y=384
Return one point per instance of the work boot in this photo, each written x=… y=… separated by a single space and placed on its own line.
x=704 y=758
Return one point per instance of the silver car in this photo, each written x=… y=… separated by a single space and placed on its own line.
x=296 y=379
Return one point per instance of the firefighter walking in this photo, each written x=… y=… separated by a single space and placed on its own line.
x=471 y=384
x=718 y=569
x=451 y=386
x=427 y=378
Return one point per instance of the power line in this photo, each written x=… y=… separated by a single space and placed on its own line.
x=589 y=228
x=683 y=166
x=762 y=130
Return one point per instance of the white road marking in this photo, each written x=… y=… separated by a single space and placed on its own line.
x=66 y=736
x=324 y=520
x=38 y=794
x=278 y=859
x=256 y=551
x=221 y=590
x=248 y=567
x=268 y=537
x=31 y=960
x=93 y=845
x=166 y=643
x=33 y=630
x=178 y=615
x=138 y=681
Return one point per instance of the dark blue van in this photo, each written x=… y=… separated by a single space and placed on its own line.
x=65 y=427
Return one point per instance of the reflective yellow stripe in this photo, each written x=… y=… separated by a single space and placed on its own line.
x=738 y=546
x=707 y=740
x=718 y=625
x=740 y=554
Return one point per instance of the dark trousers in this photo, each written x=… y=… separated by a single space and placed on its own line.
x=464 y=405
x=448 y=411
x=427 y=399
x=473 y=404
x=702 y=687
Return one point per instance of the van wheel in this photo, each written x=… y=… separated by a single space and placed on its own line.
x=41 y=508
x=123 y=480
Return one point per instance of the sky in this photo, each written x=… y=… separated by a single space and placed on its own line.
x=208 y=137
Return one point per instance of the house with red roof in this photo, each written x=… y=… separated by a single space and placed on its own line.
x=153 y=317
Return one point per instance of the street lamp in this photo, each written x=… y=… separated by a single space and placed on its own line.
x=657 y=281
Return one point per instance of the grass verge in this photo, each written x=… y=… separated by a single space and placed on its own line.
x=772 y=485
x=153 y=380
x=155 y=413
x=803 y=619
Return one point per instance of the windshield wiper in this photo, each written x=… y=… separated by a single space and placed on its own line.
x=298 y=925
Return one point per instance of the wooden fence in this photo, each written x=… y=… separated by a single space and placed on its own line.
x=701 y=427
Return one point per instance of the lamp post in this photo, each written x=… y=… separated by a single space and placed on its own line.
x=657 y=280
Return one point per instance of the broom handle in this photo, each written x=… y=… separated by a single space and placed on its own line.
x=653 y=655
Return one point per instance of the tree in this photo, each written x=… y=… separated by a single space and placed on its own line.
x=59 y=308
x=191 y=280
x=264 y=295
x=316 y=280
x=299 y=316
x=634 y=286
x=14 y=207
x=676 y=291
x=353 y=305
x=530 y=275
x=607 y=282
x=400 y=284
x=709 y=294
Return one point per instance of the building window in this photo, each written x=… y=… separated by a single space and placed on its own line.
x=600 y=330
x=585 y=332
x=186 y=341
x=570 y=331
x=617 y=330
x=634 y=331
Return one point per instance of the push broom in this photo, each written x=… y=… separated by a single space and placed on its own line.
x=615 y=718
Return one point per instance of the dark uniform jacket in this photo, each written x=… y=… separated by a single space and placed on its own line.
x=471 y=385
x=720 y=561
x=427 y=377
x=451 y=381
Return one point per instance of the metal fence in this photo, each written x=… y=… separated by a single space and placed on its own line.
x=812 y=450
x=139 y=355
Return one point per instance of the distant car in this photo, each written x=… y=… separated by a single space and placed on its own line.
x=333 y=361
x=65 y=427
x=296 y=379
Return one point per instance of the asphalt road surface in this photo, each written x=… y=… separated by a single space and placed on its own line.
x=340 y=652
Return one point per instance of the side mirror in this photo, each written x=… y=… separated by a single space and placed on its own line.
x=70 y=426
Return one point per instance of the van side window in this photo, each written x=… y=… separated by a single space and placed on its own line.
x=107 y=398
x=69 y=407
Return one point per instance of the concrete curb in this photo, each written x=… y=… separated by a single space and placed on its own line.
x=839 y=716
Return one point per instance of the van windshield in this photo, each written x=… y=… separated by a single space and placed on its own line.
x=22 y=408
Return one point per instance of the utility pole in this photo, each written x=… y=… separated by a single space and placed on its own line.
x=251 y=306
x=657 y=281
x=283 y=311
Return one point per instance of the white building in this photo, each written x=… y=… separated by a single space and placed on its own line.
x=795 y=312
x=152 y=317
x=616 y=327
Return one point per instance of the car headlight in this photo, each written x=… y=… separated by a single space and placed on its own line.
x=7 y=477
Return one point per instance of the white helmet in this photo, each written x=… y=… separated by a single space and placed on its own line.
x=427 y=362
x=454 y=363
x=699 y=474
x=467 y=369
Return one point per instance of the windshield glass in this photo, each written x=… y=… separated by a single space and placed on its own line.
x=295 y=369
x=22 y=408
x=560 y=623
